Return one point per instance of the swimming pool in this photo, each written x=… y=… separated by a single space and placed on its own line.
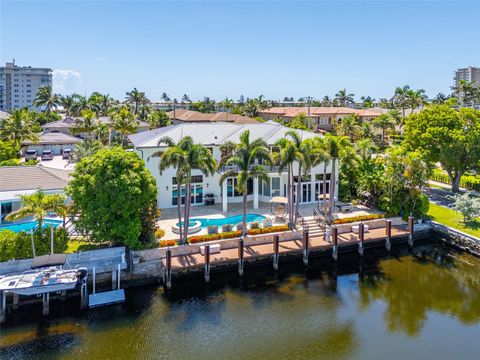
x=28 y=226
x=232 y=220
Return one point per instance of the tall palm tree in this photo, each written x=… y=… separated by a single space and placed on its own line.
x=367 y=102
x=464 y=90
x=165 y=97
x=400 y=98
x=383 y=122
x=334 y=146
x=67 y=102
x=322 y=156
x=37 y=205
x=80 y=104
x=326 y=101
x=186 y=98
x=243 y=156
x=343 y=98
x=348 y=127
x=137 y=98
x=416 y=98
x=124 y=122
x=47 y=98
x=85 y=124
x=227 y=104
x=19 y=126
x=186 y=157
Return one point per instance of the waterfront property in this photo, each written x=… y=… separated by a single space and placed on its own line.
x=183 y=115
x=26 y=180
x=322 y=118
x=213 y=136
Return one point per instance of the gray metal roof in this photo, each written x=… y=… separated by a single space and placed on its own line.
x=215 y=133
x=52 y=138
x=14 y=178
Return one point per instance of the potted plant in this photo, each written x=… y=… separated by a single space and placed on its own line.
x=227 y=227
x=212 y=229
x=239 y=226
x=267 y=223
x=255 y=225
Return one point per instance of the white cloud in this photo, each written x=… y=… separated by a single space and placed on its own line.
x=66 y=81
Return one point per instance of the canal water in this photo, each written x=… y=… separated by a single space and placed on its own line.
x=410 y=305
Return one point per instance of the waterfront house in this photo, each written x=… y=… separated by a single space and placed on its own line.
x=182 y=115
x=212 y=136
x=26 y=180
x=322 y=118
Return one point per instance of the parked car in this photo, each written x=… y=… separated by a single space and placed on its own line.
x=66 y=154
x=47 y=155
x=31 y=155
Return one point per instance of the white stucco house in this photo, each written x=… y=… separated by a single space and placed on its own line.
x=212 y=136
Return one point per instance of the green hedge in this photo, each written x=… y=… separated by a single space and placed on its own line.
x=19 y=245
x=468 y=182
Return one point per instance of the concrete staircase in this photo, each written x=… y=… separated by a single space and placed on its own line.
x=314 y=230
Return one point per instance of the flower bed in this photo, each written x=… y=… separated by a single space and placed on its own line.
x=234 y=234
x=165 y=243
x=358 y=218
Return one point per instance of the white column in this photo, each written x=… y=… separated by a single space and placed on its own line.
x=312 y=180
x=255 y=193
x=224 y=196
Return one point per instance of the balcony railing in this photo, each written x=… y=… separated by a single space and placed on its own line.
x=236 y=168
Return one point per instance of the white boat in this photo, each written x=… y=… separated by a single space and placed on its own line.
x=47 y=275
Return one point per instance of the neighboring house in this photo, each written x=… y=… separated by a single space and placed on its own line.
x=66 y=125
x=322 y=118
x=213 y=136
x=183 y=115
x=25 y=180
x=55 y=141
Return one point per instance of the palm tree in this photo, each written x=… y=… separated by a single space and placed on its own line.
x=348 y=127
x=367 y=102
x=416 y=98
x=124 y=122
x=383 y=122
x=334 y=145
x=102 y=132
x=86 y=124
x=440 y=99
x=326 y=101
x=243 y=156
x=322 y=156
x=80 y=104
x=19 y=126
x=137 y=98
x=465 y=91
x=344 y=99
x=165 y=97
x=46 y=97
x=37 y=205
x=67 y=102
x=365 y=131
x=186 y=157
x=186 y=98
x=400 y=98
x=227 y=104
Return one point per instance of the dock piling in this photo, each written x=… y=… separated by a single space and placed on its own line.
x=306 y=243
x=15 y=301
x=388 y=233
x=3 y=305
x=46 y=303
x=241 y=245
x=84 y=293
x=361 y=236
x=118 y=276
x=168 y=270
x=410 y=230
x=94 y=275
x=114 y=278
x=335 y=243
x=276 y=249
x=207 y=263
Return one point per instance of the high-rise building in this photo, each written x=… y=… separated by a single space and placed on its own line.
x=470 y=74
x=19 y=85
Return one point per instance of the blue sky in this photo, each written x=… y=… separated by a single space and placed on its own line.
x=228 y=48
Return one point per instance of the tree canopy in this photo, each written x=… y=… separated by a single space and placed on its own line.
x=114 y=196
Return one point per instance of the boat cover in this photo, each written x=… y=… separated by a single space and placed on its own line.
x=48 y=260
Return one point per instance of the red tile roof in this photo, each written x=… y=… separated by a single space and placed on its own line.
x=319 y=111
x=196 y=116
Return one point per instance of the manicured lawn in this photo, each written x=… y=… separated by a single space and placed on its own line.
x=455 y=220
x=79 y=245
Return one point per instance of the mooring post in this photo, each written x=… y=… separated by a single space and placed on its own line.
x=84 y=293
x=3 y=305
x=118 y=277
x=15 y=301
x=241 y=245
x=388 y=233
x=51 y=239
x=361 y=237
x=168 y=270
x=94 y=276
x=207 y=263
x=410 y=230
x=306 y=243
x=114 y=278
x=335 y=243
x=46 y=303
x=276 y=249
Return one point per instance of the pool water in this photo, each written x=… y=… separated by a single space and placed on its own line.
x=28 y=226
x=232 y=220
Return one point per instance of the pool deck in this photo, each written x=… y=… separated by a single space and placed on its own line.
x=169 y=217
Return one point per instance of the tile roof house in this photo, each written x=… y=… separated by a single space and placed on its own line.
x=183 y=115
x=212 y=136
x=323 y=118
x=25 y=180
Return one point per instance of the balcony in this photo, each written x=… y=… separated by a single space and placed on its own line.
x=270 y=169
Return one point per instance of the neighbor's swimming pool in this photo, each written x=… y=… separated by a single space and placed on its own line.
x=28 y=226
x=232 y=220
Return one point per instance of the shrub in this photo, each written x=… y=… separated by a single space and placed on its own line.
x=159 y=233
x=470 y=182
x=166 y=243
x=227 y=227
x=240 y=226
x=212 y=229
x=267 y=230
x=358 y=218
x=213 y=237
x=468 y=206
x=254 y=225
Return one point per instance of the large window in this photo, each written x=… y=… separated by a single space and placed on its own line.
x=232 y=190
x=196 y=191
x=275 y=186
